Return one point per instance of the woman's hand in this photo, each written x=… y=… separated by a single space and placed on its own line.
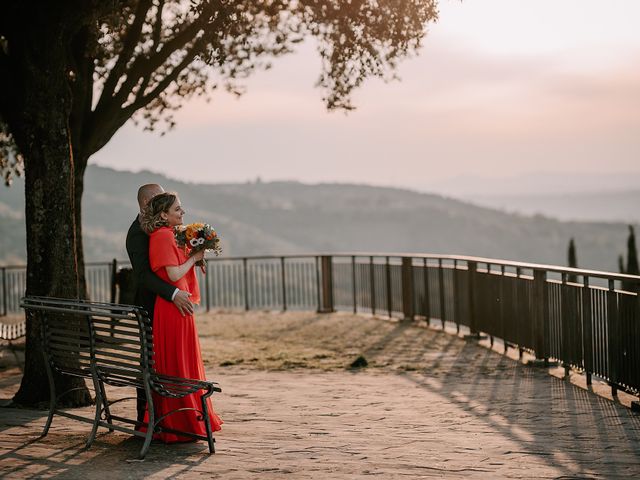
x=175 y=273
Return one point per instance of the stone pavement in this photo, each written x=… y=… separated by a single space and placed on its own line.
x=467 y=412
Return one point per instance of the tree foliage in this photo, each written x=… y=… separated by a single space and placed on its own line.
x=143 y=59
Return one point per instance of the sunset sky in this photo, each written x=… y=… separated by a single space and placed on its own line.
x=500 y=88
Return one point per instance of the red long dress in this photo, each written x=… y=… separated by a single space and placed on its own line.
x=175 y=342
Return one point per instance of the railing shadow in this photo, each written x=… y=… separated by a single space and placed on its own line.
x=567 y=427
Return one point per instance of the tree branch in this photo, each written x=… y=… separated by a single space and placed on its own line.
x=131 y=40
x=120 y=117
x=110 y=107
x=164 y=83
x=81 y=83
x=157 y=28
x=147 y=65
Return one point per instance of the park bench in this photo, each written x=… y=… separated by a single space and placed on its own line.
x=110 y=344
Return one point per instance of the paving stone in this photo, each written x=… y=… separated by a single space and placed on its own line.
x=464 y=412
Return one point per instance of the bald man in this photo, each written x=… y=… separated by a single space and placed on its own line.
x=148 y=284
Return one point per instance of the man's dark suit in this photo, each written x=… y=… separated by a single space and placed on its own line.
x=148 y=284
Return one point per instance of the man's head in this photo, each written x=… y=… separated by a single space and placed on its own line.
x=147 y=192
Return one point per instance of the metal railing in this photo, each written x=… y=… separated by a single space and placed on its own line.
x=588 y=320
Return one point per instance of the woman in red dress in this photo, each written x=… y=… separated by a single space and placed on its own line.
x=175 y=339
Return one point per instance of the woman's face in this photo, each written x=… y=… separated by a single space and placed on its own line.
x=174 y=215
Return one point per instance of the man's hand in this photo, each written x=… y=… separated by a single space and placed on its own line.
x=182 y=301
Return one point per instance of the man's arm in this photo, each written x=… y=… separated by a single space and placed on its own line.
x=138 y=250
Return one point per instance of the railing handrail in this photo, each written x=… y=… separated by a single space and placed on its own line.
x=434 y=256
x=429 y=256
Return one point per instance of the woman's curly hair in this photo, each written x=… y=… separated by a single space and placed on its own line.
x=151 y=216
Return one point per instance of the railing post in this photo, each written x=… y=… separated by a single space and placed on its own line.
x=387 y=271
x=612 y=336
x=318 y=286
x=442 y=297
x=284 y=285
x=565 y=292
x=206 y=285
x=503 y=297
x=353 y=282
x=518 y=303
x=5 y=310
x=587 y=330
x=427 y=300
x=408 y=307
x=472 y=268
x=327 y=284
x=246 y=283
x=114 y=272
x=372 y=278
x=540 y=331
x=456 y=306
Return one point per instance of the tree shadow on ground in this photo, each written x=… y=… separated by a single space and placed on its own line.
x=62 y=454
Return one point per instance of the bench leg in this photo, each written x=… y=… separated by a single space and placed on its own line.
x=96 y=421
x=207 y=422
x=100 y=400
x=105 y=403
x=151 y=425
x=52 y=397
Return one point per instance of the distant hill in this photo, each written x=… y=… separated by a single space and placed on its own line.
x=539 y=184
x=615 y=206
x=291 y=217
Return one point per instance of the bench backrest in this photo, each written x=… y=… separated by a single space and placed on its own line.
x=65 y=334
x=74 y=332
x=122 y=348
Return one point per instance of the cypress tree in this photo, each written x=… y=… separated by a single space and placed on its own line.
x=621 y=264
x=632 y=254
x=632 y=262
x=573 y=261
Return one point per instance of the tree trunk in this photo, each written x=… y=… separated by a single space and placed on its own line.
x=80 y=165
x=41 y=129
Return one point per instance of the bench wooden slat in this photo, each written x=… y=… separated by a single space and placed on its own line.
x=106 y=338
x=53 y=348
x=121 y=346
x=111 y=331
x=104 y=363
x=117 y=327
x=83 y=312
x=128 y=322
x=83 y=342
x=110 y=354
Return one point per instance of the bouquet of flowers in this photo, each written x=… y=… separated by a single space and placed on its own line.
x=197 y=236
